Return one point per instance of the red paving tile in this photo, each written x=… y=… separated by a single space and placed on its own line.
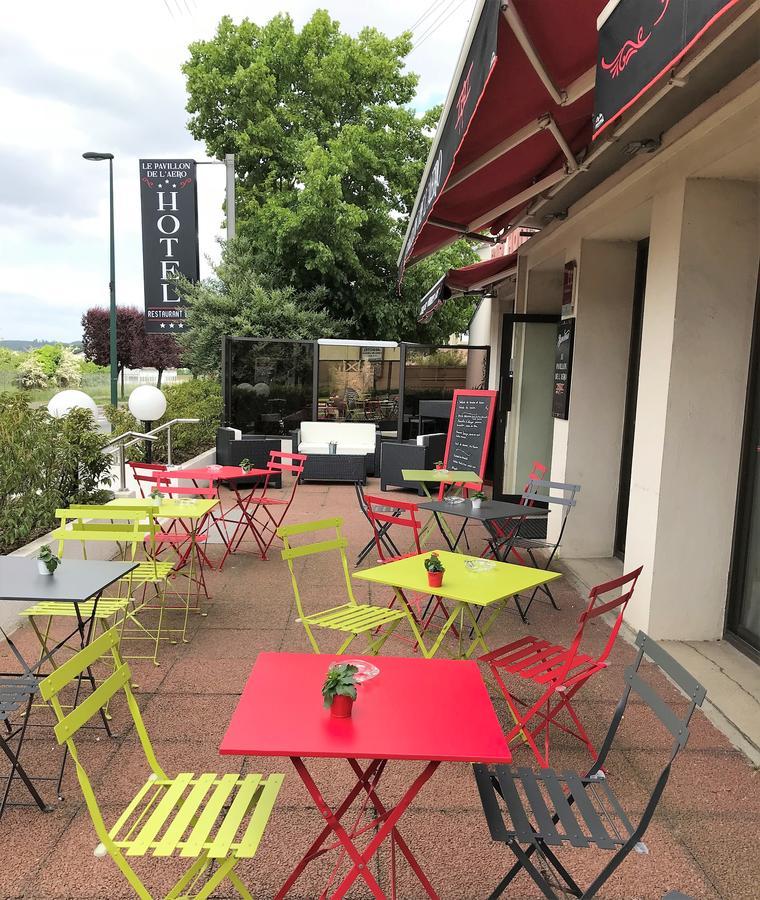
x=703 y=840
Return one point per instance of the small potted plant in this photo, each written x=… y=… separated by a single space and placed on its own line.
x=47 y=561
x=439 y=464
x=339 y=689
x=246 y=465
x=477 y=499
x=156 y=494
x=435 y=570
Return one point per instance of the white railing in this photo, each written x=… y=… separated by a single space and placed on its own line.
x=120 y=443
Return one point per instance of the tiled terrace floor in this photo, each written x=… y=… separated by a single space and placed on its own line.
x=702 y=842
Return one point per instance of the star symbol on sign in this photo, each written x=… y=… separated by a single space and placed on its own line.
x=174 y=185
x=159 y=184
x=171 y=325
x=162 y=325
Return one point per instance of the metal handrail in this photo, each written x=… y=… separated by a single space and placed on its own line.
x=120 y=443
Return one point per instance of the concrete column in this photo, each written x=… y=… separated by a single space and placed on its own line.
x=587 y=445
x=698 y=315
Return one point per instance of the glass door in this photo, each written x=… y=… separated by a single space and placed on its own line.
x=743 y=622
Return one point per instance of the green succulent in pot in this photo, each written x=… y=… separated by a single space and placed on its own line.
x=47 y=561
x=339 y=689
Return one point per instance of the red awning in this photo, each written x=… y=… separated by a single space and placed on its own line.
x=481 y=274
x=466 y=279
x=524 y=133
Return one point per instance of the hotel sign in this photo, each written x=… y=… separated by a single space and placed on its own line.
x=169 y=202
x=639 y=43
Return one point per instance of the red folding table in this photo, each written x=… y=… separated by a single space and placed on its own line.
x=430 y=711
x=230 y=475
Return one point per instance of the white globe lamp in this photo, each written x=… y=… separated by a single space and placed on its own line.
x=64 y=401
x=147 y=404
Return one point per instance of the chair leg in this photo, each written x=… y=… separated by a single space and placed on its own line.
x=16 y=767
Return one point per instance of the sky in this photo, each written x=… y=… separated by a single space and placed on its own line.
x=84 y=75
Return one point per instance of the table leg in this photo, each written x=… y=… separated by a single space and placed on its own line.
x=367 y=781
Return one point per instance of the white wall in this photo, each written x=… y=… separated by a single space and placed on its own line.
x=698 y=315
x=587 y=445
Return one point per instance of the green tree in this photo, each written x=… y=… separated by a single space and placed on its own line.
x=30 y=375
x=239 y=301
x=329 y=154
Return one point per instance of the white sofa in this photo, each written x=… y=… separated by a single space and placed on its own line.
x=352 y=439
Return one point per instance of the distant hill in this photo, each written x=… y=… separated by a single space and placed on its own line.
x=24 y=346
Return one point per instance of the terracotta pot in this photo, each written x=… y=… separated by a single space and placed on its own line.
x=341 y=706
x=435 y=579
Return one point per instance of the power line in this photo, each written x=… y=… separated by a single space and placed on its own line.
x=424 y=16
x=431 y=31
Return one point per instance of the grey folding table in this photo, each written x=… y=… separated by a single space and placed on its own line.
x=488 y=513
x=75 y=581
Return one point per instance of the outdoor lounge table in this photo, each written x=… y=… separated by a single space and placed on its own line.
x=414 y=709
x=439 y=476
x=471 y=592
x=488 y=512
x=77 y=582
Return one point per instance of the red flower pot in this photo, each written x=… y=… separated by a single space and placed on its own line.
x=341 y=706
x=435 y=579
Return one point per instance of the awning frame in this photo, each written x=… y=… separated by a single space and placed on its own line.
x=562 y=96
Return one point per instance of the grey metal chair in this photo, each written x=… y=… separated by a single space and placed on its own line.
x=17 y=693
x=546 y=809
x=556 y=493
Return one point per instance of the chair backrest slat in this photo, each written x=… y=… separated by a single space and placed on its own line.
x=388 y=510
x=86 y=709
x=677 y=725
x=337 y=544
x=67 y=671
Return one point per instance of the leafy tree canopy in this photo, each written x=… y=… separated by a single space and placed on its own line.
x=241 y=302
x=329 y=155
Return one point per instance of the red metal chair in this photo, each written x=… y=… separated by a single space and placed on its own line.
x=279 y=462
x=560 y=672
x=142 y=471
x=383 y=513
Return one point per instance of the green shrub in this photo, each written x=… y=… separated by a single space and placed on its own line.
x=45 y=464
x=200 y=398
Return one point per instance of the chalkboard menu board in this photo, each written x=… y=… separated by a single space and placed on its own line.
x=472 y=414
x=563 y=368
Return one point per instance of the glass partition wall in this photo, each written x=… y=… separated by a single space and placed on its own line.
x=429 y=376
x=358 y=383
x=272 y=385
x=269 y=384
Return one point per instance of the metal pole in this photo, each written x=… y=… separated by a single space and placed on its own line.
x=229 y=162
x=112 y=320
x=122 y=469
x=169 y=444
x=148 y=444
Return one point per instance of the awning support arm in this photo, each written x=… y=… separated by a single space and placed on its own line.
x=463 y=230
x=515 y=23
x=518 y=199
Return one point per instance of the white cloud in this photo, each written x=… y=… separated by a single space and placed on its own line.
x=97 y=75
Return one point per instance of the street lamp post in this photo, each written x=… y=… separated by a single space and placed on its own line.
x=99 y=157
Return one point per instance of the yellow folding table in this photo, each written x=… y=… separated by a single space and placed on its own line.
x=470 y=583
x=439 y=476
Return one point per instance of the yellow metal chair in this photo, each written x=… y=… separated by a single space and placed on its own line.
x=213 y=820
x=129 y=528
x=351 y=618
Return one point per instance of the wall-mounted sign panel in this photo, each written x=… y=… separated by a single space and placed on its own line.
x=563 y=368
x=169 y=202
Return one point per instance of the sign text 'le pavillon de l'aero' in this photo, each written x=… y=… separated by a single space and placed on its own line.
x=169 y=201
